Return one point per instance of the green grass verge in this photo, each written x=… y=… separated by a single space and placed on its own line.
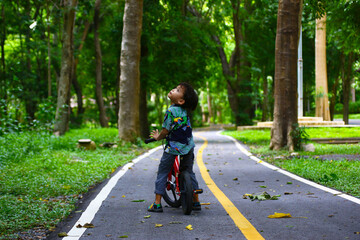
x=351 y=116
x=43 y=176
x=340 y=174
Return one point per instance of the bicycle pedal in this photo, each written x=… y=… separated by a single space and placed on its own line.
x=198 y=191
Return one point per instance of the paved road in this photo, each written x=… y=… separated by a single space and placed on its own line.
x=351 y=121
x=229 y=174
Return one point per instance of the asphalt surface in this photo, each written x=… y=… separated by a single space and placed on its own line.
x=316 y=214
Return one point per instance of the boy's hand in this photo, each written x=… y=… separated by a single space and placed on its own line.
x=155 y=134
x=158 y=136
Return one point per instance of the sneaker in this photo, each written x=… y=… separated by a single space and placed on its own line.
x=196 y=206
x=155 y=208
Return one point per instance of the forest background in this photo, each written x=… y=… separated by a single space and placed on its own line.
x=190 y=41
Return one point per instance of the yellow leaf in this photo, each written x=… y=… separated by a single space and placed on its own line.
x=189 y=227
x=203 y=203
x=280 y=215
x=123 y=196
x=148 y=216
x=158 y=225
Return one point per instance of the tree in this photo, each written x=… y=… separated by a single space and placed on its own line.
x=128 y=124
x=63 y=88
x=322 y=100
x=98 y=60
x=285 y=92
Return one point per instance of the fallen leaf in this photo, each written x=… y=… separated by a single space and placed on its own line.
x=108 y=235
x=140 y=200
x=124 y=236
x=261 y=197
x=148 y=216
x=189 y=227
x=245 y=196
x=357 y=233
x=289 y=183
x=235 y=179
x=203 y=203
x=79 y=226
x=88 y=225
x=262 y=186
x=280 y=215
x=158 y=225
x=123 y=196
x=62 y=234
x=175 y=222
x=288 y=193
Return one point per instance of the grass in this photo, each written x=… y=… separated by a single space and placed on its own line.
x=339 y=174
x=351 y=116
x=43 y=176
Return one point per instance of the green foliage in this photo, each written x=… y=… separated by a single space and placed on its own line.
x=299 y=136
x=42 y=176
x=354 y=107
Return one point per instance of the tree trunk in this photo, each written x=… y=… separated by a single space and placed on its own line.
x=75 y=82
x=98 y=59
x=62 y=108
x=322 y=101
x=128 y=125
x=333 y=98
x=265 y=102
x=285 y=91
x=346 y=77
x=210 y=116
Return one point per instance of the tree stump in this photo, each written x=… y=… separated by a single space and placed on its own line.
x=86 y=144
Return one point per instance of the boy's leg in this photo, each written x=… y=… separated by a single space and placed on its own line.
x=166 y=163
x=186 y=164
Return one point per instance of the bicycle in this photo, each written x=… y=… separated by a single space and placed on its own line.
x=179 y=190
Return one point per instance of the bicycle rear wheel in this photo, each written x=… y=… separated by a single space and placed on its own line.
x=186 y=192
x=170 y=196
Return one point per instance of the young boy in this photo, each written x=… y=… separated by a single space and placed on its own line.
x=177 y=130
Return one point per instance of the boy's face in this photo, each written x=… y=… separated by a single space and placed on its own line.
x=176 y=95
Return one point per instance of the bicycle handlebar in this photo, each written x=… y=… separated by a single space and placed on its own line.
x=149 y=140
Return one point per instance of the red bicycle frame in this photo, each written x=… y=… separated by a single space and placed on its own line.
x=176 y=169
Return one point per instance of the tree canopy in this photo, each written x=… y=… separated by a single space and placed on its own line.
x=225 y=49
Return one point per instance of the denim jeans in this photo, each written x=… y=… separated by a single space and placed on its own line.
x=166 y=162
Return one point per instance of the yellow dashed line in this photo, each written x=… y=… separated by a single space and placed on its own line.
x=240 y=221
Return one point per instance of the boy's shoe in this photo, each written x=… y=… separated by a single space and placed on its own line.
x=196 y=206
x=155 y=208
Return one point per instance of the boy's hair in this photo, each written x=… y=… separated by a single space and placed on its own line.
x=190 y=97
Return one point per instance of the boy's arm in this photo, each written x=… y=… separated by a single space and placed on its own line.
x=158 y=136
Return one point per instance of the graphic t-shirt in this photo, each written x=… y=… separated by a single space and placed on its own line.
x=180 y=140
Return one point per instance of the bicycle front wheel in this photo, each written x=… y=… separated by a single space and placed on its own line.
x=171 y=197
x=186 y=192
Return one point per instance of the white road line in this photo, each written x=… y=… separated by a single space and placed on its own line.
x=293 y=176
x=89 y=214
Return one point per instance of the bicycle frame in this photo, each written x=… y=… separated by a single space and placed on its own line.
x=176 y=169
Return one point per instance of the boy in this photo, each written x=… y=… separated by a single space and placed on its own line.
x=179 y=141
